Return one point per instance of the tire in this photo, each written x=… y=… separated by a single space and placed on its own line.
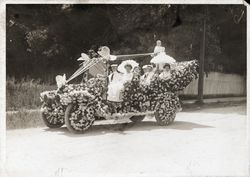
x=136 y=119
x=166 y=109
x=52 y=120
x=165 y=118
x=78 y=123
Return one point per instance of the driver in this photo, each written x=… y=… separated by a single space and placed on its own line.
x=115 y=85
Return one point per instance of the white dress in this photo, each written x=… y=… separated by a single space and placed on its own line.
x=161 y=58
x=159 y=49
x=115 y=86
x=127 y=77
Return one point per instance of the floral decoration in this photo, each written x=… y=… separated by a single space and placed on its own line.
x=89 y=99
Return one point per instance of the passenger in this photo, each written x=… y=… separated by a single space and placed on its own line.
x=166 y=74
x=128 y=75
x=117 y=80
x=148 y=74
x=137 y=70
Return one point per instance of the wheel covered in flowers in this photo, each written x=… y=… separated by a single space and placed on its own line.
x=52 y=111
x=79 y=118
x=165 y=111
x=165 y=117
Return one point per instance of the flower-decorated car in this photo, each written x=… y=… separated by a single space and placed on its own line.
x=80 y=105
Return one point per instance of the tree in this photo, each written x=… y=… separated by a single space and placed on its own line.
x=52 y=37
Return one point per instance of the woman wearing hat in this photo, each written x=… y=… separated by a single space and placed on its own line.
x=127 y=68
x=166 y=74
x=115 y=84
x=121 y=74
x=128 y=75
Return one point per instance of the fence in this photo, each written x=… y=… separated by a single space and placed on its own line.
x=219 y=84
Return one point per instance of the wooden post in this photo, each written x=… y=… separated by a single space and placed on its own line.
x=107 y=64
x=201 y=62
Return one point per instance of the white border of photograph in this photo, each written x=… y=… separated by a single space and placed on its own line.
x=3 y=50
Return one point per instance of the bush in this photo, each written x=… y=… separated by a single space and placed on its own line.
x=24 y=94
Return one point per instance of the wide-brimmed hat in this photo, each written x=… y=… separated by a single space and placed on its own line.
x=132 y=63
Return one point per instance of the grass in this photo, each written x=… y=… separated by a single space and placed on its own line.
x=24 y=94
x=24 y=119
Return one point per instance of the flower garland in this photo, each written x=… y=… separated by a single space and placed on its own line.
x=138 y=97
x=51 y=109
x=89 y=98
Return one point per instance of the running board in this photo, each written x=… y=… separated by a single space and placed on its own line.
x=126 y=115
x=120 y=118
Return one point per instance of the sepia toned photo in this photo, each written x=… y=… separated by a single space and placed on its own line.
x=133 y=90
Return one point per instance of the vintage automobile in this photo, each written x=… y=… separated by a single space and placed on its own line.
x=80 y=105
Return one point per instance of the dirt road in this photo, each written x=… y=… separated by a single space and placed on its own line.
x=207 y=142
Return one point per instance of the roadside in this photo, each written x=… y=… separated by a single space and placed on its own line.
x=217 y=100
x=32 y=118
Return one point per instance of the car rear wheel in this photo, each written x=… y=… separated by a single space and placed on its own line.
x=165 y=118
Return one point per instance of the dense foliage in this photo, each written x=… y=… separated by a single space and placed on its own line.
x=45 y=40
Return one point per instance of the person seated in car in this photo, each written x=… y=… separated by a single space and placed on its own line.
x=115 y=84
x=165 y=74
x=128 y=75
x=148 y=74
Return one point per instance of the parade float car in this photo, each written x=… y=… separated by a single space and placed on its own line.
x=80 y=105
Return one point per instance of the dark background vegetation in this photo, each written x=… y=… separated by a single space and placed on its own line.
x=45 y=40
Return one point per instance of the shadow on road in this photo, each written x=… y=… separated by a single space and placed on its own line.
x=125 y=128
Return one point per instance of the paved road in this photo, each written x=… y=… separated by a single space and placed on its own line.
x=209 y=142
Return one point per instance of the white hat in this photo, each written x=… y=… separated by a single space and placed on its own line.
x=121 y=67
x=61 y=80
x=83 y=57
x=147 y=66
x=104 y=51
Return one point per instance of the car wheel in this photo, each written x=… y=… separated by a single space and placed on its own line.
x=77 y=119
